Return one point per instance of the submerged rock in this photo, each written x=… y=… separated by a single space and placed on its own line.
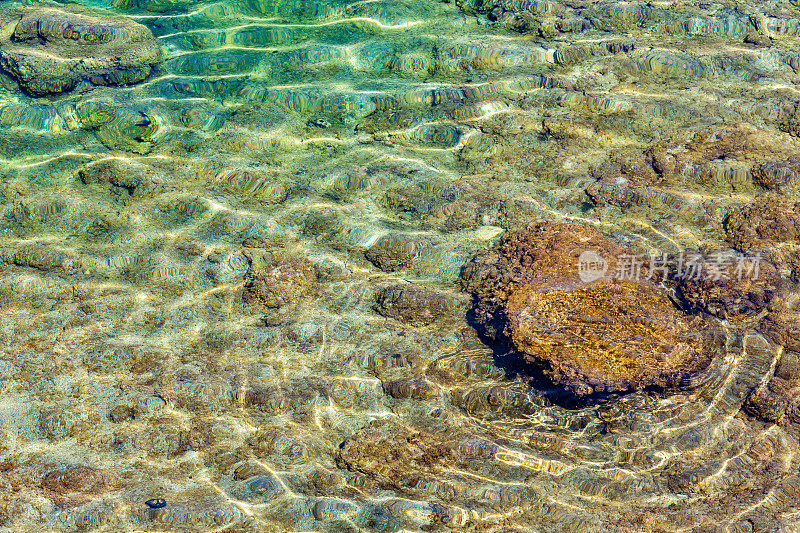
x=415 y=388
x=783 y=327
x=54 y=50
x=391 y=253
x=286 y=281
x=554 y=249
x=396 y=456
x=730 y=285
x=416 y=305
x=777 y=400
x=124 y=177
x=79 y=479
x=602 y=335
x=609 y=336
x=41 y=257
x=721 y=157
x=776 y=175
x=769 y=227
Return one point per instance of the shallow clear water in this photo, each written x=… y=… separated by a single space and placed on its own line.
x=305 y=133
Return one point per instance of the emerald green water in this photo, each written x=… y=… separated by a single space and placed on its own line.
x=131 y=215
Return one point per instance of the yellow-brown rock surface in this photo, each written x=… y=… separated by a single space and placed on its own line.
x=607 y=335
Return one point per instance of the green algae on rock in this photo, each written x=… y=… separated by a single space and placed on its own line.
x=55 y=50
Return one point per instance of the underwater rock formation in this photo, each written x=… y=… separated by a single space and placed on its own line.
x=492 y=276
x=777 y=175
x=770 y=226
x=730 y=284
x=44 y=258
x=782 y=325
x=416 y=305
x=722 y=157
x=607 y=337
x=282 y=283
x=391 y=253
x=396 y=456
x=604 y=335
x=124 y=177
x=228 y=288
x=777 y=400
x=55 y=50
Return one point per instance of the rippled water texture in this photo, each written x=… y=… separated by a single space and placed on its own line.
x=205 y=239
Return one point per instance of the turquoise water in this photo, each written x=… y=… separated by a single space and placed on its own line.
x=304 y=134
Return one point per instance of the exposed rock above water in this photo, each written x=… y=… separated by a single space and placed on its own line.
x=56 y=50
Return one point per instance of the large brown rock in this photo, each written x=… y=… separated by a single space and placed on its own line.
x=782 y=327
x=52 y=50
x=768 y=221
x=609 y=336
x=542 y=255
x=599 y=335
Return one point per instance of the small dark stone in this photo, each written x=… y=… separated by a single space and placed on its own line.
x=121 y=413
x=156 y=503
x=391 y=253
x=417 y=305
x=760 y=39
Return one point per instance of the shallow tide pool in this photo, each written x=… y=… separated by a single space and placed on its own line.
x=233 y=292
